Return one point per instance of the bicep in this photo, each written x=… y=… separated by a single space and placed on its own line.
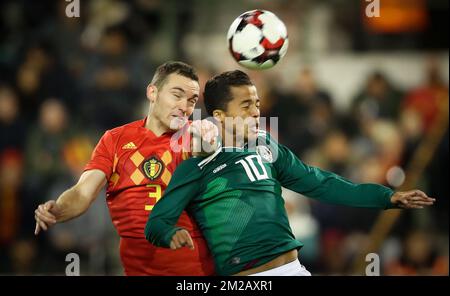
x=294 y=174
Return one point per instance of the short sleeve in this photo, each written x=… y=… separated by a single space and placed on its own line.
x=103 y=157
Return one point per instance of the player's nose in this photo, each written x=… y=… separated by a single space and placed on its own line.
x=183 y=106
x=254 y=112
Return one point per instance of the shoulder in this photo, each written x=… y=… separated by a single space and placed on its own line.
x=267 y=147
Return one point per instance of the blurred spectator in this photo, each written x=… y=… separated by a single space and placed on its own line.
x=412 y=126
x=332 y=253
x=11 y=171
x=64 y=34
x=12 y=126
x=52 y=149
x=388 y=143
x=305 y=114
x=378 y=100
x=23 y=254
x=378 y=151
x=40 y=75
x=420 y=256
x=335 y=149
x=13 y=132
x=111 y=81
x=427 y=100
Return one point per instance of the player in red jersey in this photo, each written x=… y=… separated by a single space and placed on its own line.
x=136 y=163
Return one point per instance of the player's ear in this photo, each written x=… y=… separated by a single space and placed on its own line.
x=152 y=92
x=219 y=115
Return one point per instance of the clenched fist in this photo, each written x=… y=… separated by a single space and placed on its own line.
x=180 y=239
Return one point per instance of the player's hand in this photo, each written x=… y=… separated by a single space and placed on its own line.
x=44 y=216
x=413 y=199
x=180 y=239
x=204 y=137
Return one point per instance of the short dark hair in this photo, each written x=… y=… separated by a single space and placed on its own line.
x=171 y=67
x=217 y=92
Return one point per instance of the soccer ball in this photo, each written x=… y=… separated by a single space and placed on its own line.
x=257 y=39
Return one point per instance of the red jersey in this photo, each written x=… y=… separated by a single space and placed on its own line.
x=138 y=166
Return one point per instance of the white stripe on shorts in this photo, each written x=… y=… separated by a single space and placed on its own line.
x=293 y=268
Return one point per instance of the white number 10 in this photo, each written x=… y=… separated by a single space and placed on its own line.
x=251 y=169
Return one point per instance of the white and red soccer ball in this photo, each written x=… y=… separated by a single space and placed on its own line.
x=257 y=39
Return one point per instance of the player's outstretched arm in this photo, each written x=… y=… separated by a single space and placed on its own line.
x=72 y=203
x=331 y=188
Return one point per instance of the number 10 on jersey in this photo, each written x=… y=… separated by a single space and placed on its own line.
x=254 y=168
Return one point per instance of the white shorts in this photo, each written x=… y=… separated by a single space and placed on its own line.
x=293 y=268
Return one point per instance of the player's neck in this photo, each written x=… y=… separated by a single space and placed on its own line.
x=155 y=126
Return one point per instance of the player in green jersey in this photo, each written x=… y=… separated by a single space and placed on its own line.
x=235 y=193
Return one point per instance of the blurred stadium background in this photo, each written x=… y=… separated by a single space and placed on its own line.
x=364 y=97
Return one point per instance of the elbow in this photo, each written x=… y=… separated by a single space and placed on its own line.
x=156 y=234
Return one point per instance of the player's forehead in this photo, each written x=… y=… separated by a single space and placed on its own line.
x=243 y=93
x=177 y=82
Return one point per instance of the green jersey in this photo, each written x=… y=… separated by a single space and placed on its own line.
x=235 y=197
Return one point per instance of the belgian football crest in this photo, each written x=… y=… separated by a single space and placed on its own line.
x=152 y=167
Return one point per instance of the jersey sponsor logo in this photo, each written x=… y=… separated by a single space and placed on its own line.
x=219 y=168
x=153 y=167
x=129 y=146
x=265 y=153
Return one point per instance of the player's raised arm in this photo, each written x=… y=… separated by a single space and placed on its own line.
x=72 y=202
x=161 y=229
x=329 y=187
